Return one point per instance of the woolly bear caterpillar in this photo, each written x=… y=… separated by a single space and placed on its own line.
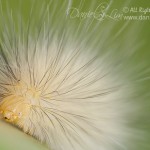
x=54 y=85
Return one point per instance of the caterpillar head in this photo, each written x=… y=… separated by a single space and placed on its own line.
x=15 y=108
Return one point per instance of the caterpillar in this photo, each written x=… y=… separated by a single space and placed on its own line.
x=60 y=81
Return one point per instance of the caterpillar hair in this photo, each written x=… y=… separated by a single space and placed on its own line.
x=63 y=80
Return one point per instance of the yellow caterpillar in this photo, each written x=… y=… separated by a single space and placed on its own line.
x=63 y=80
